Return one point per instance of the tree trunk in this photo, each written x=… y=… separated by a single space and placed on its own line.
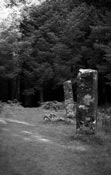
x=17 y=90
x=9 y=89
x=13 y=89
x=41 y=95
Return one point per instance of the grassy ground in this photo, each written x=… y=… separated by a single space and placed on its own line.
x=29 y=146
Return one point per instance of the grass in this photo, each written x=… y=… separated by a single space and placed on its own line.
x=49 y=148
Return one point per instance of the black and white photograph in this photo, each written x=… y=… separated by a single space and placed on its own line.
x=55 y=87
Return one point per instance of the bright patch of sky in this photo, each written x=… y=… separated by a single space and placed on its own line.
x=7 y=12
x=3 y=10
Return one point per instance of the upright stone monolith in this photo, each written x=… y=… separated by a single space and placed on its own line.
x=87 y=100
x=69 y=102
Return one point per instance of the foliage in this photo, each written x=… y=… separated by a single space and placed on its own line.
x=50 y=42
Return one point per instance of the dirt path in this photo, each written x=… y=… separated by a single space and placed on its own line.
x=28 y=148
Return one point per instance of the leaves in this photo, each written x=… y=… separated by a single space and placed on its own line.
x=47 y=44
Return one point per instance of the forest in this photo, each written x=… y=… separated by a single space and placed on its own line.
x=41 y=46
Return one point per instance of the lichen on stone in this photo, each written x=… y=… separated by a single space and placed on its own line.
x=83 y=107
x=87 y=99
x=68 y=101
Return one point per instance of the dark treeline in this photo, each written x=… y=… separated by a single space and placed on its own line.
x=52 y=42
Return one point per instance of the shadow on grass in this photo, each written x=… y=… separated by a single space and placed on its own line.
x=88 y=139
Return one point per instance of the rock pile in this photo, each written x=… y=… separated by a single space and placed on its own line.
x=52 y=117
x=53 y=105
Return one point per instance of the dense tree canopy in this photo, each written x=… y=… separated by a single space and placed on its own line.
x=51 y=42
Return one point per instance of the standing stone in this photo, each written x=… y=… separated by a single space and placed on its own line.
x=69 y=102
x=87 y=100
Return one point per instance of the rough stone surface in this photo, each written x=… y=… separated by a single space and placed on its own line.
x=53 y=105
x=52 y=117
x=87 y=100
x=69 y=102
